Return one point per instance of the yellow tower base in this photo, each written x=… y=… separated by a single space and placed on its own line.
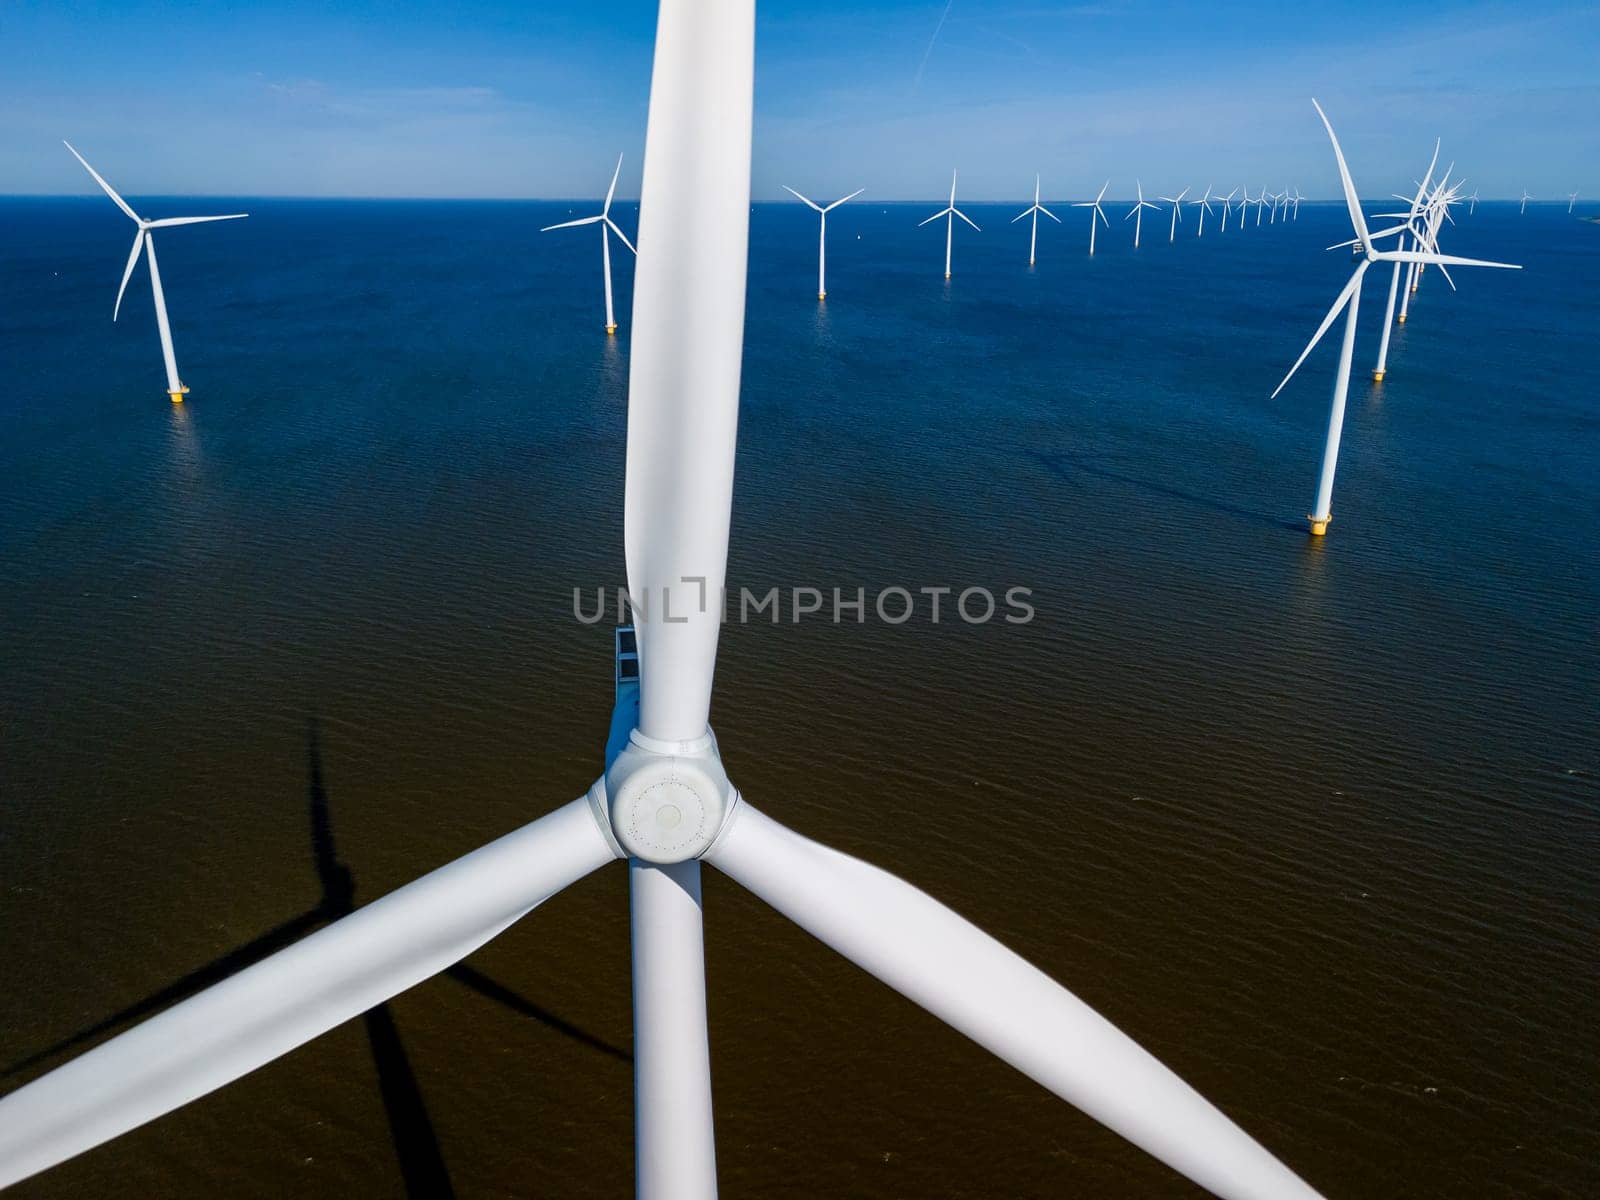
x=611 y=329
x=177 y=396
x=822 y=295
x=1377 y=377
x=947 y=274
x=1401 y=319
x=1318 y=528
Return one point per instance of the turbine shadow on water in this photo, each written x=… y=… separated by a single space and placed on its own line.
x=1066 y=465
x=416 y=1145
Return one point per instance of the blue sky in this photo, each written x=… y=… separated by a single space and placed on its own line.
x=478 y=98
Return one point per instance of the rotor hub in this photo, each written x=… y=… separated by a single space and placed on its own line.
x=667 y=801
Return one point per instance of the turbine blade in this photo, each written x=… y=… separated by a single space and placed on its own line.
x=1352 y=201
x=268 y=1009
x=1333 y=313
x=1441 y=260
x=966 y=218
x=104 y=186
x=842 y=199
x=801 y=198
x=168 y=221
x=127 y=272
x=973 y=983
x=612 y=225
x=685 y=355
x=1102 y=194
x=570 y=224
x=1022 y=214
x=941 y=213
x=1049 y=214
x=612 y=190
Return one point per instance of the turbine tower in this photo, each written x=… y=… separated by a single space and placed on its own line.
x=950 y=214
x=1177 y=213
x=822 y=234
x=664 y=802
x=607 y=228
x=1097 y=214
x=1205 y=206
x=1035 y=208
x=144 y=240
x=1349 y=300
x=1137 y=211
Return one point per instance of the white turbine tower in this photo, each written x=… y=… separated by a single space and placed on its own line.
x=1205 y=206
x=665 y=802
x=1227 y=207
x=822 y=234
x=1381 y=369
x=1137 y=211
x=950 y=213
x=1035 y=208
x=1526 y=196
x=607 y=228
x=1177 y=213
x=144 y=240
x=1097 y=214
x=1350 y=299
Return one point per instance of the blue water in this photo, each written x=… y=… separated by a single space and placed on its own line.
x=1317 y=820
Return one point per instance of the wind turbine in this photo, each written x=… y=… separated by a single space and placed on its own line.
x=1177 y=213
x=1276 y=198
x=1350 y=300
x=1261 y=202
x=1473 y=202
x=1227 y=207
x=1137 y=211
x=607 y=228
x=665 y=802
x=1205 y=206
x=1036 y=208
x=1097 y=214
x=1525 y=198
x=1572 y=198
x=950 y=213
x=144 y=240
x=1381 y=369
x=822 y=235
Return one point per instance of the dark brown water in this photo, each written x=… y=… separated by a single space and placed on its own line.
x=1316 y=822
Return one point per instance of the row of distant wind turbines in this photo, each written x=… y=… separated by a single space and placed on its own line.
x=1428 y=210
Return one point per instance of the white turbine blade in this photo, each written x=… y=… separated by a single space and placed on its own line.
x=268 y=1009
x=614 y=229
x=687 y=346
x=1183 y=193
x=943 y=212
x=801 y=198
x=168 y=221
x=1333 y=313
x=842 y=199
x=104 y=186
x=966 y=218
x=570 y=224
x=952 y=189
x=1442 y=260
x=1446 y=275
x=1101 y=214
x=1390 y=232
x=1049 y=214
x=127 y=272
x=1023 y=213
x=612 y=190
x=1102 y=194
x=974 y=984
x=1352 y=201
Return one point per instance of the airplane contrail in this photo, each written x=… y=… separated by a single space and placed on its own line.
x=917 y=82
